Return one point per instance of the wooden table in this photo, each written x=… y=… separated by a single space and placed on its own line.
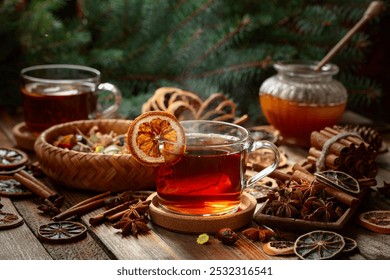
x=103 y=242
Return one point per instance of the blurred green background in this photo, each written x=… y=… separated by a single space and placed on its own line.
x=203 y=46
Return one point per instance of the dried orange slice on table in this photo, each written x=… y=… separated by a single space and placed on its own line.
x=156 y=138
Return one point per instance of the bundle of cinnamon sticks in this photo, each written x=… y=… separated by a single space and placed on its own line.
x=336 y=149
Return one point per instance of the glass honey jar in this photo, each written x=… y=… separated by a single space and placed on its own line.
x=299 y=100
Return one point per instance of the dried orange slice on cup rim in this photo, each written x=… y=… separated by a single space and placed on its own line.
x=156 y=138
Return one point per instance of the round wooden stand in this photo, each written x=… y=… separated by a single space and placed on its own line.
x=25 y=139
x=202 y=224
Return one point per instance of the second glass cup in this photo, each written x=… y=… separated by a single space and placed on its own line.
x=210 y=177
x=59 y=93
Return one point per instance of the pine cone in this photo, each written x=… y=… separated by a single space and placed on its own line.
x=369 y=135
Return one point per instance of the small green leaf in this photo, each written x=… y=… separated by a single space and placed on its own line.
x=202 y=238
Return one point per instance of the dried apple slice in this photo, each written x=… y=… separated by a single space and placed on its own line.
x=318 y=245
x=210 y=104
x=162 y=96
x=190 y=98
x=182 y=110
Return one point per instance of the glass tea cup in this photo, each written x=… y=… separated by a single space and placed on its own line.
x=59 y=93
x=210 y=177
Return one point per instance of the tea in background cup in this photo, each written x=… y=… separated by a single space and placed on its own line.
x=210 y=177
x=59 y=93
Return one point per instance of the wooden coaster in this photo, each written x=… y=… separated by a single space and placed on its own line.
x=202 y=224
x=24 y=138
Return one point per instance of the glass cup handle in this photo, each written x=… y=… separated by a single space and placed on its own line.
x=269 y=169
x=115 y=94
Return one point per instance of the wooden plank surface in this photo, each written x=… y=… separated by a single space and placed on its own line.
x=20 y=243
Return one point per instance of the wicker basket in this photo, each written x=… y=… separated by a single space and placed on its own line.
x=90 y=171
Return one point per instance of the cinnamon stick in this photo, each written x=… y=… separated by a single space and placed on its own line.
x=367 y=182
x=318 y=140
x=343 y=197
x=103 y=216
x=91 y=199
x=299 y=176
x=351 y=139
x=116 y=216
x=331 y=160
x=79 y=210
x=276 y=174
x=137 y=209
x=35 y=186
x=297 y=166
x=338 y=194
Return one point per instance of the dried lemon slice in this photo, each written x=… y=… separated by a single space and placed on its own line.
x=12 y=158
x=155 y=138
x=319 y=245
x=61 y=232
x=279 y=247
x=9 y=220
x=377 y=221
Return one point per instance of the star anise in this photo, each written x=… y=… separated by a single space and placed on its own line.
x=324 y=212
x=311 y=189
x=287 y=204
x=310 y=205
x=134 y=220
x=51 y=207
x=132 y=226
x=139 y=209
x=261 y=233
x=119 y=199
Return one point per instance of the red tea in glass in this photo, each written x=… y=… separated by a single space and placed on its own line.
x=59 y=93
x=45 y=106
x=210 y=176
x=202 y=182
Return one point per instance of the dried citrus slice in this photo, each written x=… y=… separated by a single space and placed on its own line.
x=350 y=245
x=9 y=220
x=319 y=245
x=61 y=232
x=10 y=187
x=377 y=221
x=155 y=138
x=12 y=158
x=279 y=247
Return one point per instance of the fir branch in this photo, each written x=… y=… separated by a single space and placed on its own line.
x=189 y=18
x=263 y=64
x=244 y=23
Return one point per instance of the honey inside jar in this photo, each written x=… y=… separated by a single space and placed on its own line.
x=296 y=121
